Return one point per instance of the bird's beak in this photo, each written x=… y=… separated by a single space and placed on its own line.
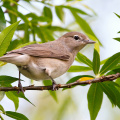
x=90 y=41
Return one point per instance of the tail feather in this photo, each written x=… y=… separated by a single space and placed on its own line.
x=16 y=59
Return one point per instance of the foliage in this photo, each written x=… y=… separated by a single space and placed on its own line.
x=40 y=28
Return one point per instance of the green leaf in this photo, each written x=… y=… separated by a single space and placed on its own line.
x=118 y=82
x=26 y=33
x=117 y=15
x=21 y=95
x=7 y=80
x=2 y=20
x=15 y=99
x=59 y=12
x=2 y=109
x=109 y=92
x=95 y=97
x=57 y=28
x=96 y=62
x=47 y=12
x=52 y=93
x=16 y=115
x=76 y=68
x=75 y=79
x=12 y=11
x=103 y=61
x=110 y=63
x=41 y=32
x=49 y=35
x=113 y=86
x=84 y=59
x=2 y=94
x=118 y=39
x=1 y=117
x=14 y=44
x=84 y=26
x=6 y=36
x=74 y=9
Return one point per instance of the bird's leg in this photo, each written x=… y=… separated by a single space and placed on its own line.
x=47 y=71
x=20 y=85
x=53 y=84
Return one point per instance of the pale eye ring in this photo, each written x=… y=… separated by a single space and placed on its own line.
x=76 y=37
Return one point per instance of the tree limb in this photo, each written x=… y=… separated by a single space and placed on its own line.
x=78 y=82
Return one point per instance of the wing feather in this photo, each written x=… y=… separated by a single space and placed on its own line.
x=43 y=51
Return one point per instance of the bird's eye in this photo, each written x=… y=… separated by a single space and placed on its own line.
x=76 y=37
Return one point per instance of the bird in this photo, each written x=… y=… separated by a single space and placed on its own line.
x=47 y=60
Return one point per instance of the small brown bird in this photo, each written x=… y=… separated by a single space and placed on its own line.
x=47 y=60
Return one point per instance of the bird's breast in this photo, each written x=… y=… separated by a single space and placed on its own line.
x=37 y=67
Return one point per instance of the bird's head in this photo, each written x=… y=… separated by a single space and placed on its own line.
x=75 y=41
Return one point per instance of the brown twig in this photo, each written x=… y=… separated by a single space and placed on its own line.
x=78 y=82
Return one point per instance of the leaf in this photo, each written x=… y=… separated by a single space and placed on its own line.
x=95 y=97
x=2 y=109
x=2 y=63
x=7 y=80
x=76 y=68
x=49 y=35
x=2 y=20
x=15 y=99
x=110 y=63
x=26 y=33
x=75 y=9
x=6 y=36
x=85 y=78
x=40 y=34
x=96 y=62
x=57 y=28
x=77 y=78
x=21 y=95
x=109 y=92
x=47 y=12
x=52 y=93
x=16 y=115
x=1 y=117
x=118 y=82
x=59 y=12
x=84 y=26
x=14 y=44
x=84 y=59
x=118 y=39
x=87 y=7
x=29 y=43
x=12 y=11
x=2 y=94
x=113 y=86
x=117 y=15
x=103 y=61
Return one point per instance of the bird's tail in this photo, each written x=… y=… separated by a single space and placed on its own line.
x=16 y=59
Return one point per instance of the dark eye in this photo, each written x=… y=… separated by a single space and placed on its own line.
x=76 y=37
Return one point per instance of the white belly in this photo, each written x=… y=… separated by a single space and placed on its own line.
x=36 y=68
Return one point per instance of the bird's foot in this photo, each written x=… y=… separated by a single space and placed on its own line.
x=54 y=86
x=21 y=88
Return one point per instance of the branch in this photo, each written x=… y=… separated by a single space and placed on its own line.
x=78 y=82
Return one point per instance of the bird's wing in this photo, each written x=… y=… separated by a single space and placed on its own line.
x=43 y=51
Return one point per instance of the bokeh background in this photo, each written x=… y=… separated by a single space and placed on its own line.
x=71 y=103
